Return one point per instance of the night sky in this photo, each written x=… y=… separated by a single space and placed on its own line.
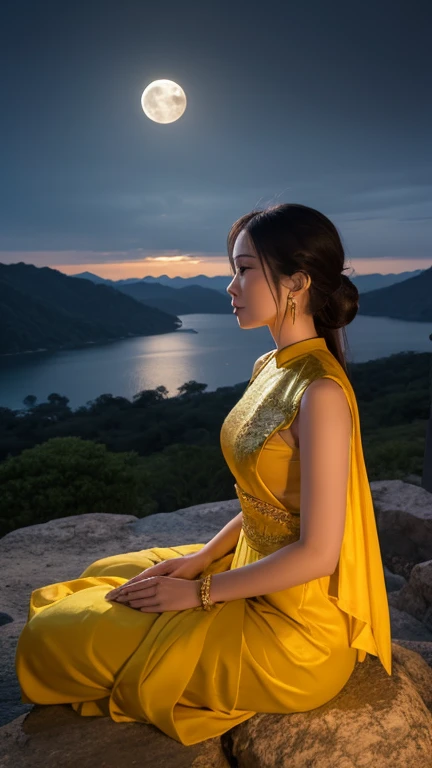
x=327 y=104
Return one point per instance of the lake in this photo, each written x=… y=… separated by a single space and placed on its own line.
x=219 y=354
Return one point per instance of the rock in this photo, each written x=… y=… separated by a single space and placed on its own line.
x=413 y=479
x=418 y=646
x=415 y=597
x=404 y=626
x=404 y=518
x=55 y=735
x=393 y=580
x=374 y=720
x=189 y=524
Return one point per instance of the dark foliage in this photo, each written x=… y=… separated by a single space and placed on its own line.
x=168 y=449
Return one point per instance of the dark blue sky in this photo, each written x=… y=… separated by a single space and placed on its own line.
x=324 y=104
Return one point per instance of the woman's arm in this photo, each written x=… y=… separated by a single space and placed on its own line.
x=290 y=566
x=325 y=427
x=224 y=541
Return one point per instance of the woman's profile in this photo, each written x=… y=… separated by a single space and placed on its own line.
x=275 y=611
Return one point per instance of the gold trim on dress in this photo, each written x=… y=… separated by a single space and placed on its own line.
x=266 y=528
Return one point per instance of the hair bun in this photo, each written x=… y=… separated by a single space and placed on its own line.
x=341 y=306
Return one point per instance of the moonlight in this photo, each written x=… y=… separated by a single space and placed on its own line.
x=163 y=101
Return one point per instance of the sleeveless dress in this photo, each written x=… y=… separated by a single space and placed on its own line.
x=193 y=673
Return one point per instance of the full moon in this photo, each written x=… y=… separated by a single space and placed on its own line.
x=163 y=101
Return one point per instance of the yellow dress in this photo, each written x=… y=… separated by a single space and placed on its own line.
x=193 y=673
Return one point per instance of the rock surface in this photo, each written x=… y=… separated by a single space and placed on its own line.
x=404 y=517
x=375 y=719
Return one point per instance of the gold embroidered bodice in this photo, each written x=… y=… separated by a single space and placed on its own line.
x=267 y=470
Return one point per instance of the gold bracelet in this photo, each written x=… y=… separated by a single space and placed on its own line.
x=206 y=601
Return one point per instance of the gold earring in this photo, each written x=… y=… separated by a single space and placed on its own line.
x=291 y=299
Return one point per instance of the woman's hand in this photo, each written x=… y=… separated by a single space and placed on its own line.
x=156 y=594
x=183 y=567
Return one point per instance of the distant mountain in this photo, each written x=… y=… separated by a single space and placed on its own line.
x=94 y=278
x=182 y=301
x=375 y=280
x=220 y=283
x=192 y=299
x=42 y=308
x=408 y=300
x=97 y=279
x=383 y=301
x=380 y=294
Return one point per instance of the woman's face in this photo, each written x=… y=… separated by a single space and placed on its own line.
x=249 y=288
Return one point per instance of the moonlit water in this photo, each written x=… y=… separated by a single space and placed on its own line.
x=220 y=354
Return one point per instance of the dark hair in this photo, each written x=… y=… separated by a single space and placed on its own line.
x=295 y=238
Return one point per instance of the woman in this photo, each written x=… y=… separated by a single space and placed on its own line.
x=274 y=612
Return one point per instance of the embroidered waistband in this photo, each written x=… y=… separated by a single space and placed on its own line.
x=266 y=528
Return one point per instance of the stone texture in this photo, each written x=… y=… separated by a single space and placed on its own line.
x=404 y=517
x=56 y=735
x=375 y=720
x=415 y=597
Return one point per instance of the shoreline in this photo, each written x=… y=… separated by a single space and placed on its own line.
x=83 y=344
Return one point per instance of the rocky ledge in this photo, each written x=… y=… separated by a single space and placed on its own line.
x=374 y=720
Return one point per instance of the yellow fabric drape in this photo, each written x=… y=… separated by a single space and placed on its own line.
x=270 y=403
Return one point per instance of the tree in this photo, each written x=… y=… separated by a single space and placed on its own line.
x=59 y=401
x=150 y=396
x=67 y=476
x=191 y=387
x=29 y=401
x=7 y=418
